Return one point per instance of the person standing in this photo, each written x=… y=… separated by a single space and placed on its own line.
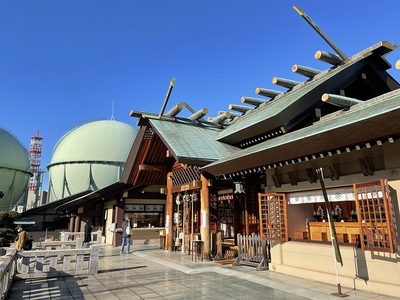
x=21 y=239
x=126 y=234
x=88 y=234
x=20 y=242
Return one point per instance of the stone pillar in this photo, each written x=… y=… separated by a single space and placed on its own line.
x=77 y=227
x=205 y=217
x=169 y=214
x=71 y=223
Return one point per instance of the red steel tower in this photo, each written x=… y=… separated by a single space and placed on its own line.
x=35 y=153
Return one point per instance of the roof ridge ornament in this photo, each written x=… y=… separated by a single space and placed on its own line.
x=253 y=101
x=338 y=100
x=267 y=92
x=321 y=33
x=329 y=58
x=232 y=115
x=287 y=83
x=198 y=114
x=171 y=86
x=218 y=120
x=239 y=108
x=174 y=111
x=305 y=71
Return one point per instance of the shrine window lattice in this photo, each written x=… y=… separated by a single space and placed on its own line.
x=273 y=217
x=184 y=176
x=375 y=216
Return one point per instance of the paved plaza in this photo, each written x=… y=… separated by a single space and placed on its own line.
x=151 y=273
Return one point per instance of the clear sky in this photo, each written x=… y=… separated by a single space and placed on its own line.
x=64 y=63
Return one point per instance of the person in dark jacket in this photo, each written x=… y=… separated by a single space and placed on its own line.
x=88 y=234
x=126 y=234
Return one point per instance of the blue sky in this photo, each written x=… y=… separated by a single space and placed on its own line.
x=64 y=63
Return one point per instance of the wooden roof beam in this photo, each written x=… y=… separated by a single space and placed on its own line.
x=232 y=115
x=220 y=118
x=329 y=58
x=198 y=114
x=240 y=108
x=171 y=86
x=139 y=114
x=267 y=92
x=157 y=168
x=175 y=110
x=341 y=101
x=305 y=71
x=287 y=83
x=320 y=32
x=253 y=101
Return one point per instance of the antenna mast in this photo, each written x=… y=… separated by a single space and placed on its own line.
x=112 y=111
x=35 y=153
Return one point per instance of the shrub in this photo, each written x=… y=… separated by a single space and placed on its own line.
x=7 y=227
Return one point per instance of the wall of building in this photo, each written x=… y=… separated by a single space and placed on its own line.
x=108 y=212
x=375 y=272
x=298 y=216
x=384 y=159
x=139 y=235
x=366 y=270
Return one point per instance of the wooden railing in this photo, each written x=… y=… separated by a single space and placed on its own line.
x=7 y=271
x=252 y=251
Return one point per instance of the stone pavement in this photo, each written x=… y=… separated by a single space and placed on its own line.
x=151 y=273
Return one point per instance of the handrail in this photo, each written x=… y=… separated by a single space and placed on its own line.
x=67 y=235
x=7 y=272
x=60 y=262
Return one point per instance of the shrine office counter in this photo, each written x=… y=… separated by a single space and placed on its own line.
x=346 y=232
x=145 y=235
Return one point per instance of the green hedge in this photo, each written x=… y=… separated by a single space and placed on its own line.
x=7 y=227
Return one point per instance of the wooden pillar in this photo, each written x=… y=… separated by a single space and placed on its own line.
x=246 y=215
x=71 y=223
x=77 y=227
x=169 y=214
x=119 y=218
x=205 y=217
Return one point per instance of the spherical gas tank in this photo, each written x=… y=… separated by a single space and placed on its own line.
x=89 y=157
x=14 y=170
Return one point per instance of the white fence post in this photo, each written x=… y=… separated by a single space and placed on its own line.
x=94 y=259
x=79 y=243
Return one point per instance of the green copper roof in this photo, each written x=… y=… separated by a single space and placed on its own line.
x=336 y=131
x=285 y=108
x=190 y=142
